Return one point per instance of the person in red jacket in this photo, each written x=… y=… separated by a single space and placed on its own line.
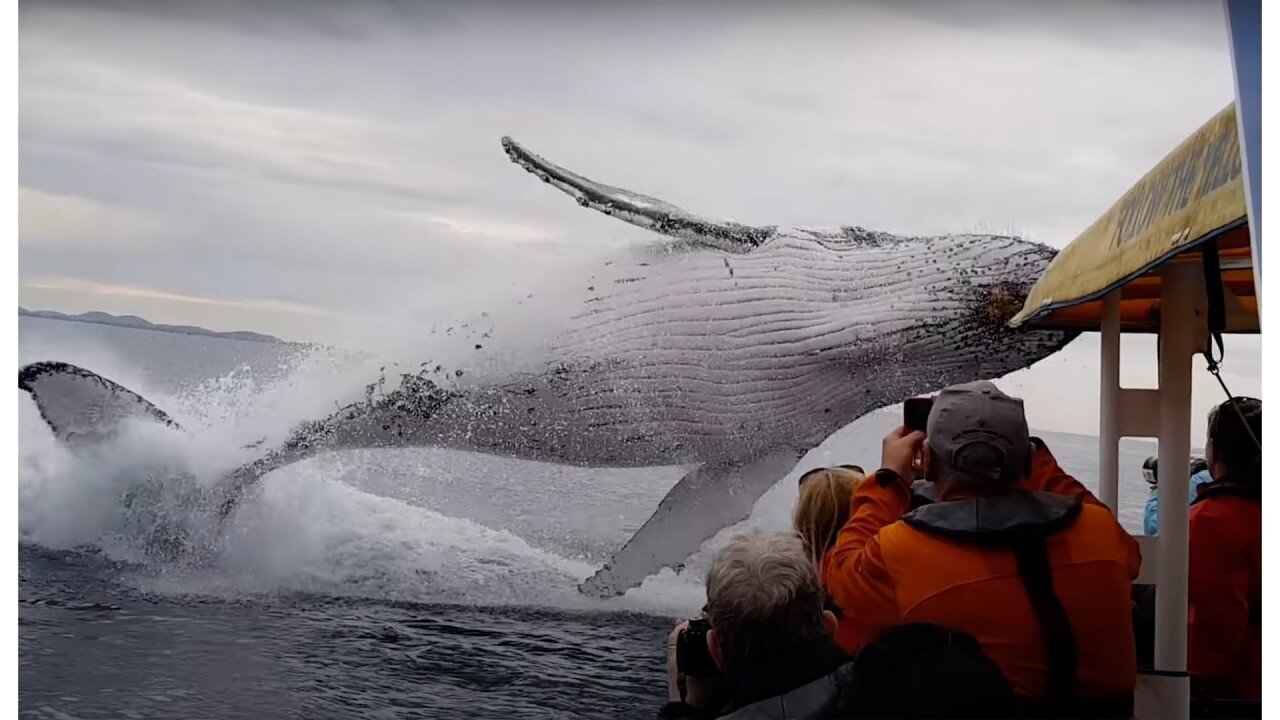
x=1016 y=553
x=1224 y=641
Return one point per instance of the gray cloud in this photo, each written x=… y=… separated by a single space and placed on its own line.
x=344 y=156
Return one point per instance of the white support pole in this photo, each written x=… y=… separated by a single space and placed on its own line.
x=1181 y=334
x=1109 y=405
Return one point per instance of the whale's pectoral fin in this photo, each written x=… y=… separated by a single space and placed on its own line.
x=81 y=407
x=705 y=501
x=641 y=210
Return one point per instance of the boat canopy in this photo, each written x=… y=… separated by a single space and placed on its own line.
x=1154 y=262
x=1194 y=196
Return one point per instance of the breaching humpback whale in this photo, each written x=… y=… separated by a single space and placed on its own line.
x=733 y=351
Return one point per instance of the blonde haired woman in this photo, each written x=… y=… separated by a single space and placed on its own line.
x=821 y=510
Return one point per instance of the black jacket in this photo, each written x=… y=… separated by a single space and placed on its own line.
x=804 y=683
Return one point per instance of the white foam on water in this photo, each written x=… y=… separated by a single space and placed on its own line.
x=310 y=534
x=139 y=497
x=119 y=498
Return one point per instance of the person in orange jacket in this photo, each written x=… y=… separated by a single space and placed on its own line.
x=1015 y=552
x=1224 y=641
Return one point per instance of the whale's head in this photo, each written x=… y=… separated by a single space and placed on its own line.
x=954 y=296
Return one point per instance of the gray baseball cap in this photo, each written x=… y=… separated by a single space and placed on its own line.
x=978 y=412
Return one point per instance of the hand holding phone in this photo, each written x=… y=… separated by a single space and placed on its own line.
x=900 y=452
x=915 y=418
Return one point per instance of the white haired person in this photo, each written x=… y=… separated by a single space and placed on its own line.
x=764 y=650
x=768 y=650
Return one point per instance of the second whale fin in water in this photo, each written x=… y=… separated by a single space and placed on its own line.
x=81 y=407
x=708 y=499
x=641 y=210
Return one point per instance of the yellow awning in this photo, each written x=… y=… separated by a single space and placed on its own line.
x=1195 y=194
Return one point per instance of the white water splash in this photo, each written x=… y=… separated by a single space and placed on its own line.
x=322 y=526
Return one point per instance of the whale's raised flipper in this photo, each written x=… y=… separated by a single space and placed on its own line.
x=81 y=407
x=704 y=502
x=641 y=210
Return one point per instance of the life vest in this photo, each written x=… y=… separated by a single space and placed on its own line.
x=974 y=564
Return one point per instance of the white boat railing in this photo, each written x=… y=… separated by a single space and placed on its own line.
x=1164 y=414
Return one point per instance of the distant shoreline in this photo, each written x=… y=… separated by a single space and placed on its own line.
x=137 y=323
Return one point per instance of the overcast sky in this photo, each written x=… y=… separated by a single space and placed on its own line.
x=299 y=167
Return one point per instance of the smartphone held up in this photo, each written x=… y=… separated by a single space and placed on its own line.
x=915 y=413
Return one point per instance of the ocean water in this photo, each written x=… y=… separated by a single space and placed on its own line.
x=407 y=583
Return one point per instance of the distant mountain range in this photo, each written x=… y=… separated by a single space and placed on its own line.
x=133 y=321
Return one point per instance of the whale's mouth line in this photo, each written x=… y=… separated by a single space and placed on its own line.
x=995 y=305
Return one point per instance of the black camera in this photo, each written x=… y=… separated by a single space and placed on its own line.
x=692 y=656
